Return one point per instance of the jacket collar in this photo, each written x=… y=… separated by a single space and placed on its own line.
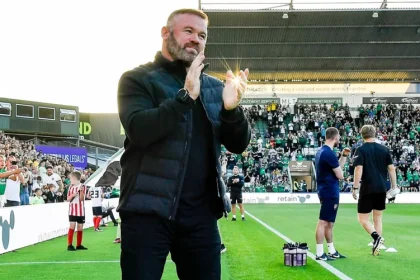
x=176 y=67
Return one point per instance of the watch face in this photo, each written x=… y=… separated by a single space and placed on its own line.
x=185 y=97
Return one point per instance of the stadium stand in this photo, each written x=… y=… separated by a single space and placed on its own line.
x=36 y=176
x=279 y=137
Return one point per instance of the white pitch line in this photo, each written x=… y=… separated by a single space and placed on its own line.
x=61 y=262
x=328 y=267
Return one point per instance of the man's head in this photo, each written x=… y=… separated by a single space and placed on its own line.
x=235 y=170
x=50 y=170
x=184 y=35
x=368 y=131
x=11 y=160
x=332 y=135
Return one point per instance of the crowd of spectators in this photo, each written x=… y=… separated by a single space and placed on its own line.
x=43 y=178
x=280 y=136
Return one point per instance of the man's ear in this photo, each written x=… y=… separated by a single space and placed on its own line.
x=165 y=33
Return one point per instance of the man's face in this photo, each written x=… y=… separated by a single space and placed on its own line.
x=9 y=162
x=49 y=171
x=186 y=38
x=236 y=170
x=337 y=141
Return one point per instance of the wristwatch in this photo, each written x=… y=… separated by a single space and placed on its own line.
x=183 y=96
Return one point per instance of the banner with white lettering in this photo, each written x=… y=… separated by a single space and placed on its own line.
x=74 y=156
x=315 y=100
x=312 y=198
x=393 y=100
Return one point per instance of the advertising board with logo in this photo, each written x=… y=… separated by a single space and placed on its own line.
x=23 y=226
x=337 y=100
x=259 y=101
x=312 y=198
x=393 y=100
x=300 y=166
x=75 y=156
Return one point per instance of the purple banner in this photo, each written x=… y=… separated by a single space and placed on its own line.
x=74 y=156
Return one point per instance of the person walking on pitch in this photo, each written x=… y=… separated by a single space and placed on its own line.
x=376 y=159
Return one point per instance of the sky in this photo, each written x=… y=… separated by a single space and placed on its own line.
x=74 y=52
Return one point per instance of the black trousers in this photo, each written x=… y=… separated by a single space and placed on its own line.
x=148 y=239
x=110 y=214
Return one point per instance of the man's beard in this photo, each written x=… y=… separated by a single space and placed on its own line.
x=179 y=53
x=336 y=143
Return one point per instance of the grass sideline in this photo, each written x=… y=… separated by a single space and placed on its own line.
x=253 y=252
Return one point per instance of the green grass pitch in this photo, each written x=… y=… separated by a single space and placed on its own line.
x=253 y=252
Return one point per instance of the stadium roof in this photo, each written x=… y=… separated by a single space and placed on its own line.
x=307 y=4
x=306 y=46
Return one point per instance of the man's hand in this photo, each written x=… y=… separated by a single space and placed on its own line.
x=17 y=171
x=234 y=89
x=192 y=81
x=355 y=194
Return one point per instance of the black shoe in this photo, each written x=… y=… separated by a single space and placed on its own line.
x=243 y=219
x=71 y=248
x=324 y=257
x=81 y=247
x=377 y=245
x=223 y=249
x=233 y=219
x=115 y=224
x=336 y=255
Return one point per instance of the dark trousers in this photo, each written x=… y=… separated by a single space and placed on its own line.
x=147 y=241
x=110 y=214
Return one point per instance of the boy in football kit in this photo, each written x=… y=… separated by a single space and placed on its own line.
x=96 y=195
x=76 y=197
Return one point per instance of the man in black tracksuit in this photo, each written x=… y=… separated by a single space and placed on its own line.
x=235 y=183
x=175 y=118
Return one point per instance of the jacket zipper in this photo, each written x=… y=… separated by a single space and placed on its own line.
x=184 y=162
x=219 y=193
x=214 y=153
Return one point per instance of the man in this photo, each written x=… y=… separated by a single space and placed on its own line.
x=328 y=171
x=376 y=159
x=5 y=173
x=175 y=119
x=54 y=179
x=12 y=192
x=236 y=182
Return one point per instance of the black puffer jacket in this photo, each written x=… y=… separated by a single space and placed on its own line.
x=158 y=131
